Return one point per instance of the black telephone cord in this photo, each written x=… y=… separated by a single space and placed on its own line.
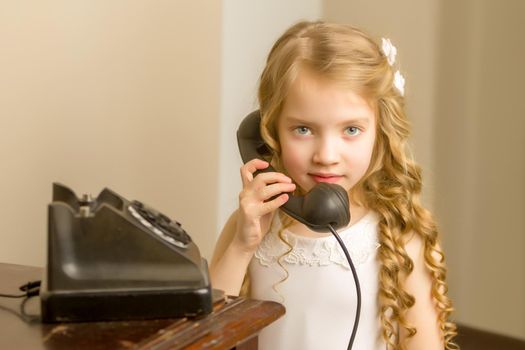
x=30 y=288
x=357 y=286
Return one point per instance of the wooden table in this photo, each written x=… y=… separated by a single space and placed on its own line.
x=234 y=324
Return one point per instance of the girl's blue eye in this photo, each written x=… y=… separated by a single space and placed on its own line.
x=302 y=130
x=352 y=131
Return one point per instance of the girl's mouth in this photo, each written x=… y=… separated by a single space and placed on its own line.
x=329 y=178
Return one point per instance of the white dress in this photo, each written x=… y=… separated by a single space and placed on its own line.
x=319 y=291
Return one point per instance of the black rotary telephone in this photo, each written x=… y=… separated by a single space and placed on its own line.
x=109 y=258
x=326 y=204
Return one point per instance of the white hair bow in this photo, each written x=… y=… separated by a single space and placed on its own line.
x=390 y=52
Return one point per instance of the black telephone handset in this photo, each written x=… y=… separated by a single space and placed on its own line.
x=325 y=204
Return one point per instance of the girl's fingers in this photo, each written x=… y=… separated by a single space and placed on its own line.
x=261 y=179
x=263 y=193
x=272 y=205
x=271 y=177
x=254 y=210
x=274 y=189
x=251 y=167
x=254 y=204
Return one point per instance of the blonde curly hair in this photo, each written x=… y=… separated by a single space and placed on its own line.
x=392 y=183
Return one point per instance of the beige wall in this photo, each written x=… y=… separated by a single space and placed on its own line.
x=480 y=157
x=122 y=94
x=464 y=66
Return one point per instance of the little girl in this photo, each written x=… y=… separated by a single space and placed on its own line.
x=332 y=110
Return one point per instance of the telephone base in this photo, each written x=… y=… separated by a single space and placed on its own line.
x=82 y=306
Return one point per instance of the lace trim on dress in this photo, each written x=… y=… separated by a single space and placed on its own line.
x=360 y=240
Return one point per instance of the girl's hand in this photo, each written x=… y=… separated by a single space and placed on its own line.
x=255 y=207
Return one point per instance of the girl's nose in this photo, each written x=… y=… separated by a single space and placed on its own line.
x=326 y=152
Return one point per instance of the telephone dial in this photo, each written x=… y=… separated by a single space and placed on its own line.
x=325 y=204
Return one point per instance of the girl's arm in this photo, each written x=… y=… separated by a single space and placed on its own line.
x=423 y=315
x=229 y=262
x=260 y=197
